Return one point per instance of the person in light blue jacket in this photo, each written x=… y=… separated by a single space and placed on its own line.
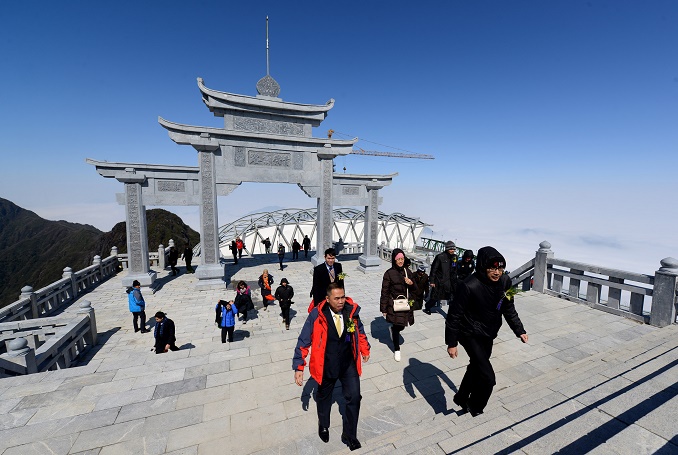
x=226 y=314
x=137 y=306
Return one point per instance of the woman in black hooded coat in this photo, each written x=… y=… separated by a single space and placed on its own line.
x=474 y=319
x=397 y=281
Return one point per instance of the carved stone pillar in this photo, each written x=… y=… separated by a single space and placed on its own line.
x=324 y=221
x=137 y=234
x=369 y=260
x=209 y=272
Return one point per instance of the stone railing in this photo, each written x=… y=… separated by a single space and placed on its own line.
x=645 y=298
x=158 y=258
x=47 y=343
x=60 y=294
x=349 y=247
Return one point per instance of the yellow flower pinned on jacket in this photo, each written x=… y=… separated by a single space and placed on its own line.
x=342 y=276
x=350 y=325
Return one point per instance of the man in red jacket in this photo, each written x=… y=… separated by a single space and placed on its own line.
x=339 y=342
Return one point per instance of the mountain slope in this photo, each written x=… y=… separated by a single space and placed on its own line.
x=34 y=251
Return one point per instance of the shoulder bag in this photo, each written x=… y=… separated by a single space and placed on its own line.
x=402 y=303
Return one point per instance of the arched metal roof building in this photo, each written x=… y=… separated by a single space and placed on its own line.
x=282 y=226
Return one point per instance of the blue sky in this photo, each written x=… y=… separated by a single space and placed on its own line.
x=549 y=120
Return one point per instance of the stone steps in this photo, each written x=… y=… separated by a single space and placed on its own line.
x=559 y=409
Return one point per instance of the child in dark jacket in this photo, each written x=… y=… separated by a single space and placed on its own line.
x=226 y=314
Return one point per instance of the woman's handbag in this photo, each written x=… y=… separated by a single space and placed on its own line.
x=402 y=303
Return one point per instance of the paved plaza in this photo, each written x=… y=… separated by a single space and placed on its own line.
x=587 y=382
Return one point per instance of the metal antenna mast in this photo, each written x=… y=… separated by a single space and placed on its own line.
x=267 y=66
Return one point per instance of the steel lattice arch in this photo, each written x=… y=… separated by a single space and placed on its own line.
x=283 y=226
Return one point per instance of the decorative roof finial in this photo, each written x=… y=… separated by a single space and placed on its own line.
x=268 y=86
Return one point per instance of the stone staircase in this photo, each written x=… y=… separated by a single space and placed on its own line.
x=586 y=377
x=624 y=400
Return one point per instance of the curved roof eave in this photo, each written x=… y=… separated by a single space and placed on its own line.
x=261 y=102
x=220 y=132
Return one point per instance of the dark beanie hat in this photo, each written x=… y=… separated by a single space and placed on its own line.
x=284 y=280
x=135 y=283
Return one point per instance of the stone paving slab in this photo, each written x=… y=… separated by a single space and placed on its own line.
x=240 y=395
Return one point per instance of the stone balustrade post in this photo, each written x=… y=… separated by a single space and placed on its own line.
x=161 y=256
x=86 y=308
x=22 y=354
x=68 y=273
x=27 y=293
x=540 y=267
x=97 y=261
x=114 y=253
x=663 y=311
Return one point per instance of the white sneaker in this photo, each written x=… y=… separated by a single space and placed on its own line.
x=396 y=356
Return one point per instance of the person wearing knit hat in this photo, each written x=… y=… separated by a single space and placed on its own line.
x=421 y=280
x=443 y=277
x=284 y=295
x=473 y=320
x=397 y=283
x=466 y=266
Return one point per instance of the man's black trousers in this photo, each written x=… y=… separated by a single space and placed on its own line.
x=479 y=379
x=350 y=385
x=139 y=314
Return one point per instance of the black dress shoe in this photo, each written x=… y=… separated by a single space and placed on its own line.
x=324 y=433
x=353 y=444
x=426 y=311
x=460 y=402
x=474 y=413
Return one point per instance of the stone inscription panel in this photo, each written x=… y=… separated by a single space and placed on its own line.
x=270 y=159
x=240 y=158
x=268 y=126
x=350 y=190
x=172 y=186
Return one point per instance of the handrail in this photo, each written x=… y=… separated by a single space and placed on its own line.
x=45 y=344
x=61 y=293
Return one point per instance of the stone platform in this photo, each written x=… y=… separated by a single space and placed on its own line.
x=588 y=382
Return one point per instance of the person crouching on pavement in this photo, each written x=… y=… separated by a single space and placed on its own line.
x=473 y=320
x=164 y=333
x=226 y=314
x=338 y=338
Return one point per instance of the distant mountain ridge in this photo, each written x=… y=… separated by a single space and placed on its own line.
x=34 y=251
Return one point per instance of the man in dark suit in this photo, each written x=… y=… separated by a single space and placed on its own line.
x=339 y=342
x=324 y=274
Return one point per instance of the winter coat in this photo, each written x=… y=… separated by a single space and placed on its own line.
x=296 y=246
x=281 y=251
x=392 y=286
x=173 y=257
x=234 y=248
x=136 y=301
x=465 y=269
x=421 y=280
x=164 y=333
x=243 y=300
x=225 y=317
x=480 y=303
x=307 y=243
x=444 y=275
x=314 y=335
x=264 y=291
x=284 y=295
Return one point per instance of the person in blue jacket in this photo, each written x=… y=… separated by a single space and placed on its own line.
x=137 y=306
x=226 y=314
